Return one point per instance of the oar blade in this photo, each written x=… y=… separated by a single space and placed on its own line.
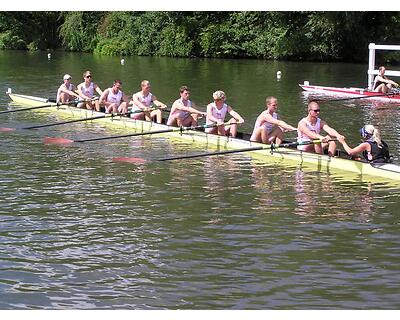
x=5 y=129
x=134 y=160
x=57 y=141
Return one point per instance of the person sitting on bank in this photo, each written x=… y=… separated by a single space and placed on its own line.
x=216 y=113
x=382 y=83
x=113 y=99
x=268 y=129
x=310 y=127
x=66 y=91
x=86 y=91
x=183 y=112
x=142 y=102
x=373 y=148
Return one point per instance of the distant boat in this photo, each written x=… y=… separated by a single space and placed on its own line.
x=361 y=93
x=352 y=93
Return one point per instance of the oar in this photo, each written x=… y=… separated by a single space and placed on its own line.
x=5 y=129
x=49 y=140
x=273 y=147
x=49 y=104
x=297 y=143
x=359 y=97
x=209 y=154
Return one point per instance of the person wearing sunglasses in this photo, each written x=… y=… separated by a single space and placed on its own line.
x=373 y=148
x=86 y=91
x=310 y=128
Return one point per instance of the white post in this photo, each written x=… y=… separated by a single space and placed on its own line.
x=371 y=65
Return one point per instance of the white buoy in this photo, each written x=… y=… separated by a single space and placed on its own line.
x=278 y=75
x=122 y=61
x=49 y=56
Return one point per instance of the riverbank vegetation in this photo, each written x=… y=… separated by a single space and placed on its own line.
x=317 y=36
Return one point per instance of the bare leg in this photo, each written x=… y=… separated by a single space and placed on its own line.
x=232 y=129
x=122 y=108
x=332 y=148
x=158 y=114
x=138 y=116
x=256 y=136
x=278 y=133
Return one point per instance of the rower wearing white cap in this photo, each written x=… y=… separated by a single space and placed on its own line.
x=66 y=92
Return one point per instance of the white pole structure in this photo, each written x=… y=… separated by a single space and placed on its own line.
x=371 y=65
x=371 y=62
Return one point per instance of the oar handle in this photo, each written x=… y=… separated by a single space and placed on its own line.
x=209 y=154
x=298 y=143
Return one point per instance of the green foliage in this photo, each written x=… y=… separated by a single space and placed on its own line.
x=323 y=36
x=79 y=30
x=174 y=42
x=37 y=29
x=8 y=41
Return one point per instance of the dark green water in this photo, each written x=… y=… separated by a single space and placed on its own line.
x=81 y=232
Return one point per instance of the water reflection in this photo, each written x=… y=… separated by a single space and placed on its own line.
x=309 y=189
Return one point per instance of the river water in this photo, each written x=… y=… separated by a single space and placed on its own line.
x=79 y=231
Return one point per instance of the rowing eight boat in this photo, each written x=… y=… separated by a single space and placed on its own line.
x=365 y=171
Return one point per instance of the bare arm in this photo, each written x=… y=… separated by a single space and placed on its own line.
x=98 y=90
x=332 y=132
x=302 y=127
x=103 y=97
x=158 y=103
x=235 y=115
x=81 y=94
x=279 y=123
x=135 y=101
x=385 y=80
x=179 y=106
x=71 y=93
x=356 y=150
x=210 y=116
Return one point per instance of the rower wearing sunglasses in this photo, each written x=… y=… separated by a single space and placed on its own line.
x=373 y=148
x=310 y=127
x=86 y=91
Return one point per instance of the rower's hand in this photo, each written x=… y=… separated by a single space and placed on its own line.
x=325 y=139
x=163 y=106
x=341 y=139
